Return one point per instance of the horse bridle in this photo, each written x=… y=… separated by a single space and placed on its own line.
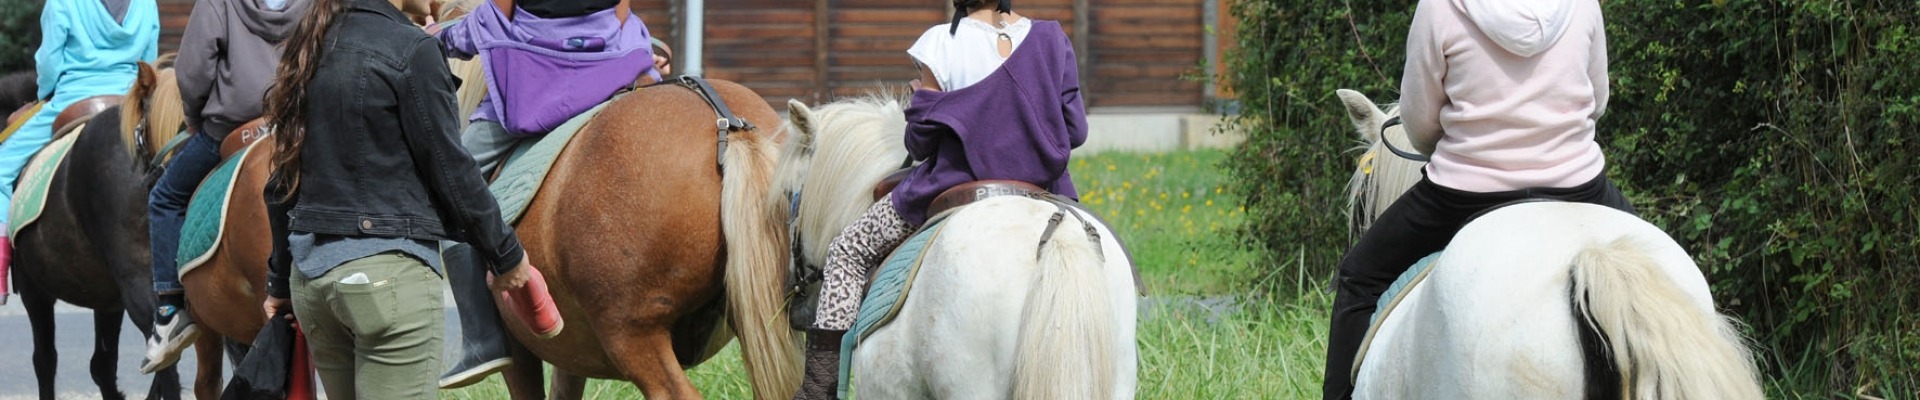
x=1393 y=122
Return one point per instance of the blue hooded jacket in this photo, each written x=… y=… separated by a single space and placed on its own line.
x=84 y=52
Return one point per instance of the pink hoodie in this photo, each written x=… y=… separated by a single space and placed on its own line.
x=1504 y=93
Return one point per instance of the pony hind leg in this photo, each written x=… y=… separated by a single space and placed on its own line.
x=207 y=354
x=106 y=352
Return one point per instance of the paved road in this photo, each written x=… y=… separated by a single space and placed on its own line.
x=75 y=345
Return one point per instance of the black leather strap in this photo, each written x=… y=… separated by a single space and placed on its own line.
x=727 y=121
x=1392 y=122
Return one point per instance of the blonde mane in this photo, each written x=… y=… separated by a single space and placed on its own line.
x=1380 y=176
x=837 y=153
x=157 y=94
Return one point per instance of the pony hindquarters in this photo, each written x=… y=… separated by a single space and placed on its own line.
x=1497 y=316
x=637 y=230
x=991 y=318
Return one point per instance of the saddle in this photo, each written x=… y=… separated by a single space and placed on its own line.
x=243 y=136
x=78 y=113
x=954 y=198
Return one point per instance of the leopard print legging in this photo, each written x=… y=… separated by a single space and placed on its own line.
x=858 y=249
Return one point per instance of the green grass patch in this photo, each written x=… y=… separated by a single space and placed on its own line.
x=1175 y=214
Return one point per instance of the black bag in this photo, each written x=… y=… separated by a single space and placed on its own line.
x=263 y=374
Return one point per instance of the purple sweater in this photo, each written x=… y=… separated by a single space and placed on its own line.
x=533 y=51
x=1020 y=123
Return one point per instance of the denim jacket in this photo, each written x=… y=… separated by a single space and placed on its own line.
x=382 y=154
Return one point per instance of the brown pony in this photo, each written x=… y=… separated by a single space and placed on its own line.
x=639 y=233
x=227 y=289
x=647 y=236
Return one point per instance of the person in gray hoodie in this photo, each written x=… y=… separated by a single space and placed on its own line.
x=228 y=57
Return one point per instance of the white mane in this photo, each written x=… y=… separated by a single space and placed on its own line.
x=837 y=154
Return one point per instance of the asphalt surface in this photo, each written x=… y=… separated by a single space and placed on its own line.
x=74 y=344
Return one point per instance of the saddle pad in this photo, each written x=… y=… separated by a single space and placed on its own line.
x=30 y=197
x=886 y=293
x=527 y=168
x=1390 y=299
x=207 y=212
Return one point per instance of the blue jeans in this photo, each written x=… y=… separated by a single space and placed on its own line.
x=167 y=206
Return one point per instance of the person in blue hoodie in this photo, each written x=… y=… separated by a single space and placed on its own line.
x=87 y=48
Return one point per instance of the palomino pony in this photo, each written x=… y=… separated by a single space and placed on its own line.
x=89 y=246
x=1501 y=315
x=988 y=317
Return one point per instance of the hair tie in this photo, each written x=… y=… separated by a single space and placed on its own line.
x=958 y=14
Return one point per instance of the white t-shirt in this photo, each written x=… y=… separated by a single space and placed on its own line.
x=965 y=57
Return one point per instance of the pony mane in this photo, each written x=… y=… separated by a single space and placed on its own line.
x=156 y=94
x=836 y=153
x=1379 y=177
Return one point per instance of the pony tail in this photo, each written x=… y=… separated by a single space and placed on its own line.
x=286 y=105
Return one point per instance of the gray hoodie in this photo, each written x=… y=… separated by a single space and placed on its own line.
x=228 y=57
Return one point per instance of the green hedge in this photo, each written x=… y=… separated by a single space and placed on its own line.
x=19 y=34
x=1775 y=139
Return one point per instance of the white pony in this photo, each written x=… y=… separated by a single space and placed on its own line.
x=1500 y=315
x=987 y=318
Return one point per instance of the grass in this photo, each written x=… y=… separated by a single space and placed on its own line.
x=1175 y=214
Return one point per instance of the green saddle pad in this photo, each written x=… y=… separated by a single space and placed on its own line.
x=207 y=212
x=1391 y=298
x=529 y=163
x=30 y=197
x=886 y=293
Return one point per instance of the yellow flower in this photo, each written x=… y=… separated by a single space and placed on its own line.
x=1110 y=167
x=1209 y=202
x=1187 y=209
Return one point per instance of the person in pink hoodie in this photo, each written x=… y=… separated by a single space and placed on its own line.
x=1504 y=96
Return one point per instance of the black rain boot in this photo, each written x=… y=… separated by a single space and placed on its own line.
x=483 y=340
x=822 y=381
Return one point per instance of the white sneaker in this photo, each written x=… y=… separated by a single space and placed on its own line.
x=168 y=341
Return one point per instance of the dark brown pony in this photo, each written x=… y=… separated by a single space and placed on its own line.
x=89 y=246
x=642 y=239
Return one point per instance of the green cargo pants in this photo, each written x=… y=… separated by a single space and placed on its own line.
x=374 y=325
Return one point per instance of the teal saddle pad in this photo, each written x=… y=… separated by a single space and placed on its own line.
x=207 y=212
x=886 y=292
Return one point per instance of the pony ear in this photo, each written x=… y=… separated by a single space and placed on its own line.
x=802 y=118
x=147 y=76
x=1363 y=113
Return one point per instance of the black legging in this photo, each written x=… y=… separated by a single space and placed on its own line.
x=1419 y=223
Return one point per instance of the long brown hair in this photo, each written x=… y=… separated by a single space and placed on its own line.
x=286 y=106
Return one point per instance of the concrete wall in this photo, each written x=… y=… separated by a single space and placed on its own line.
x=1156 y=131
